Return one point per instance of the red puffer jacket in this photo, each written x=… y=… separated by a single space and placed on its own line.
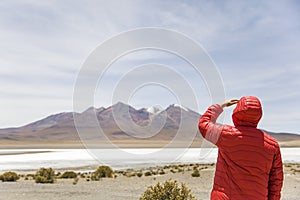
x=249 y=162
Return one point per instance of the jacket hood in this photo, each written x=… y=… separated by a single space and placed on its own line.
x=247 y=112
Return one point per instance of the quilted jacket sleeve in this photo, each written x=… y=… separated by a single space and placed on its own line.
x=276 y=177
x=207 y=124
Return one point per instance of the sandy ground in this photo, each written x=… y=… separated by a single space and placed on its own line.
x=131 y=187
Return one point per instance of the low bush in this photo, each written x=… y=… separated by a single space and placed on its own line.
x=161 y=172
x=29 y=177
x=205 y=167
x=139 y=174
x=294 y=171
x=154 y=172
x=166 y=167
x=196 y=173
x=82 y=175
x=148 y=173
x=45 y=175
x=102 y=172
x=169 y=190
x=9 y=177
x=180 y=170
x=69 y=174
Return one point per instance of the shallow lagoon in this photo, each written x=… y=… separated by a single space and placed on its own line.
x=28 y=160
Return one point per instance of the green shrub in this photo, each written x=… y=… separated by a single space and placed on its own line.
x=295 y=170
x=45 y=175
x=139 y=174
x=82 y=175
x=169 y=190
x=161 y=172
x=9 y=177
x=196 y=173
x=148 y=173
x=154 y=172
x=69 y=174
x=124 y=173
x=102 y=172
x=30 y=175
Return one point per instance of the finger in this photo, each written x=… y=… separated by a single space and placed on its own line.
x=234 y=100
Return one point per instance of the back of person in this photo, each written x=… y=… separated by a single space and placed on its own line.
x=249 y=163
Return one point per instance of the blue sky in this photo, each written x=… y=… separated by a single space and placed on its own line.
x=254 y=44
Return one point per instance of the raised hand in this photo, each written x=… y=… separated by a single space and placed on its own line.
x=229 y=103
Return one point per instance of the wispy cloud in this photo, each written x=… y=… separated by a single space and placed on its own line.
x=44 y=43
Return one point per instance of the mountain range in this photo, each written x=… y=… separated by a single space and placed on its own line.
x=119 y=122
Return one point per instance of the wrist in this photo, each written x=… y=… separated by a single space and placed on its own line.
x=222 y=105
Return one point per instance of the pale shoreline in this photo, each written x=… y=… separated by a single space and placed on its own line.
x=4 y=144
x=29 y=160
x=131 y=187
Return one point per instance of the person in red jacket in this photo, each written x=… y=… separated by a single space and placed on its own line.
x=249 y=164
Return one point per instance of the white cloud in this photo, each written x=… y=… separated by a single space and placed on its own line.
x=44 y=43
